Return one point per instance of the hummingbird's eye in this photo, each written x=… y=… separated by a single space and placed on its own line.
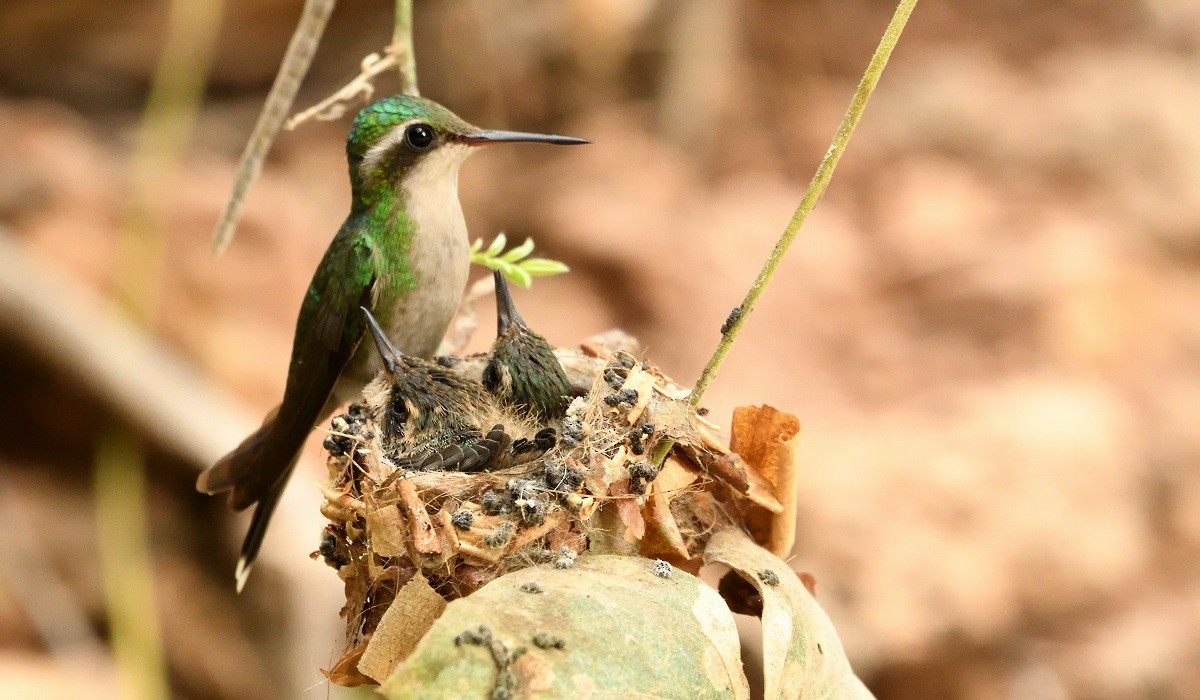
x=419 y=136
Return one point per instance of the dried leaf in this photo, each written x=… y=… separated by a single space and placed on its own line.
x=766 y=440
x=662 y=539
x=675 y=476
x=416 y=607
x=345 y=671
x=629 y=511
x=802 y=655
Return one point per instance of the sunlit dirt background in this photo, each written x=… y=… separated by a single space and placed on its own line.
x=990 y=328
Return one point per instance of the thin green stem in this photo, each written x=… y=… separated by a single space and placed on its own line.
x=816 y=189
x=402 y=37
x=127 y=567
x=126 y=560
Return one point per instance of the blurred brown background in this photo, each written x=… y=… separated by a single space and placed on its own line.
x=990 y=328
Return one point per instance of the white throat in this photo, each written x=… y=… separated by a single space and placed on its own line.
x=431 y=190
x=439 y=255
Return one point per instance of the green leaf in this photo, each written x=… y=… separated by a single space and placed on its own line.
x=543 y=267
x=497 y=245
x=626 y=633
x=519 y=276
x=519 y=252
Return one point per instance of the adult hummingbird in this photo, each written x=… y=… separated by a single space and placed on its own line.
x=522 y=369
x=402 y=253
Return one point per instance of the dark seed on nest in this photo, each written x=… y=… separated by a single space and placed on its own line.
x=501 y=536
x=660 y=569
x=625 y=396
x=328 y=544
x=531 y=587
x=635 y=443
x=614 y=377
x=702 y=411
x=532 y=510
x=566 y=558
x=463 y=519
x=481 y=636
x=333 y=446
x=447 y=360
x=496 y=502
x=625 y=362
x=541 y=640
x=645 y=365
x=731 y=319
x=572 y=428
x=561 y=478
x=640 y=475
x=768 y=577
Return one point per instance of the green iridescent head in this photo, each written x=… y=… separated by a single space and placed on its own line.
x=391 y=136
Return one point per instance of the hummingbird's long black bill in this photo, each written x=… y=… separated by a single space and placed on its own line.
x=506 y=310
x=485 y=137
x=388 y=352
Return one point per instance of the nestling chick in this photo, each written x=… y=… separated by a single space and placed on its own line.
x=433 y=419
x=522 y=370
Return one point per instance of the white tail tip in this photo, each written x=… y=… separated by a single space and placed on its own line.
x=242 y=573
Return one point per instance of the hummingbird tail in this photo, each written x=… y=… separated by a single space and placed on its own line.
x=255 y=472
x=248 y=472
x=256 y=533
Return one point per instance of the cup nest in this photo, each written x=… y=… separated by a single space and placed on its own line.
x=596 y=491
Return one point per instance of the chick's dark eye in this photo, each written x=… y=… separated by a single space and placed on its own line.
x=419 y=136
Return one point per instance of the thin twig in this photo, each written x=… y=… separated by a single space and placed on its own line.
x=296 y=61
x=361 y=87
x=816 y=189
x=398 y=54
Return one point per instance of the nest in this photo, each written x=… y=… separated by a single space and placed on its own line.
x=596 y=491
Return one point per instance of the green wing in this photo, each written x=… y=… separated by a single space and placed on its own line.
x=329 y=328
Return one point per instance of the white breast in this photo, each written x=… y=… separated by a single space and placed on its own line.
x=439 y=256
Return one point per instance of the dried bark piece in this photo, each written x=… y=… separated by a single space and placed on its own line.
x=532 y=534
x=416 y=607
x=386 y=528
x=766 y=439
x=732 y=470
x=422 y=534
